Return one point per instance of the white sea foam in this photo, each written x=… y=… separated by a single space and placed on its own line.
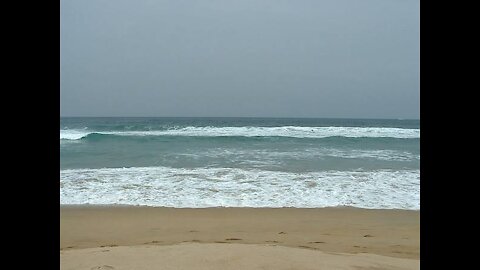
x=232 y=187
x=312 y=153
x=284 y=131
x=70 y=134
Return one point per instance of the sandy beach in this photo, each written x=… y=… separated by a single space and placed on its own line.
x=97 y=237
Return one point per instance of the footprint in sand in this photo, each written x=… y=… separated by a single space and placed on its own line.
x=152 y=242
x=307 y=247
x=103 y=267
x=192 y=241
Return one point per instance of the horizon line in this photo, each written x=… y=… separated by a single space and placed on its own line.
x=277 y=117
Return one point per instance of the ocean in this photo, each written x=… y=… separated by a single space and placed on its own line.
x=240 y=162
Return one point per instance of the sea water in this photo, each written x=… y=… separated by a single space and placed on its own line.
x=240 y=162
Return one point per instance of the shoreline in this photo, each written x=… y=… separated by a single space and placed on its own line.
x=79 y=206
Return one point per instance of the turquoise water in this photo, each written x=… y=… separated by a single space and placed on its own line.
x=252 y=162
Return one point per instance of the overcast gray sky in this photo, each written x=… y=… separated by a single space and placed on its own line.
x=278 y=58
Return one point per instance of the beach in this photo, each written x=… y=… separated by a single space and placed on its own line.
x=129 y=237
x=228 y=135
x=239 y=193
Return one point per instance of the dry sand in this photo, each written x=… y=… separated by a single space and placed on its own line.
x=238 y=238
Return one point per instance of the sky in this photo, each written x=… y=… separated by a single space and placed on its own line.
x=240 y=58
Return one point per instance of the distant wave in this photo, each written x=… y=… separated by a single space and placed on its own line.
x=233 y=187
x=284 y=131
